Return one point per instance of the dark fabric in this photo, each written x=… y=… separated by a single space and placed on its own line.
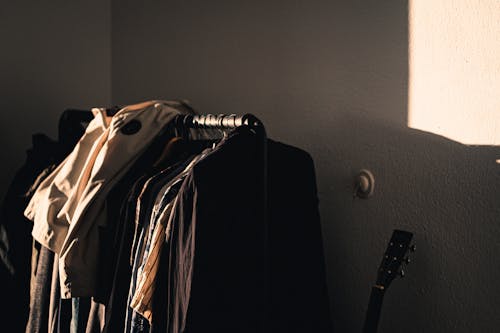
x=55 y=296
x=59 y=310
x=121 y=208
x=218 y=245
x=38 y=320
x=299 y=297
x=117 y=304
x=138 y=324
x=42 y=262
x=15 y=229
x=134 y=321
x=87 y=315
x=15 y=232
x=65 y=315
x=161 y=300
x=71 y=126
x=154 y=185
x=108 y=311
x=215 y=257
x=80 y=307
x=96 y=319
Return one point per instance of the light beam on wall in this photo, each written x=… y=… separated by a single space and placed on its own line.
x=454 y=69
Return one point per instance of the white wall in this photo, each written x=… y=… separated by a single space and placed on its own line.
x=53 y=55
x=455 y=69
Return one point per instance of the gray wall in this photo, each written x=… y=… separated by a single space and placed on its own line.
x=331 y=77
x=53 y=55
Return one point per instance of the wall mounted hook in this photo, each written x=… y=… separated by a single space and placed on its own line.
x=364 y=184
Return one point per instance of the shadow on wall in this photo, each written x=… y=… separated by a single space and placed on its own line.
x=331 y=77
x=445 y=192
x=55 y=56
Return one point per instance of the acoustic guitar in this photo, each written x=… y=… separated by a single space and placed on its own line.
x=395 y=256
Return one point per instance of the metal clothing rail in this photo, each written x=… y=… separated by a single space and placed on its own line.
x=219 y=121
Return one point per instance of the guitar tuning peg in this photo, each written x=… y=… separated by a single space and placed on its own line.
x=413 y=248
x=402 y=274
x=407 y=260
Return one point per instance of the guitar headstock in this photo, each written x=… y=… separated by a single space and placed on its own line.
x=394 y=257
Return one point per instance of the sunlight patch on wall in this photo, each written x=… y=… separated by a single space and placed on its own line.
x=454 y=69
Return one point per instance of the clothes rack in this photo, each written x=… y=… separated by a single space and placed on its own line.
x=244 y=205
x=182 y=124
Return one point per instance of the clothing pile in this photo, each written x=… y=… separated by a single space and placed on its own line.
x=124 y=225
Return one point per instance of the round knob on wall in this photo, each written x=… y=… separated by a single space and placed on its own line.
x=364 y=184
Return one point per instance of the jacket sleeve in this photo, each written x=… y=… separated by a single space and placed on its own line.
x=299 y=296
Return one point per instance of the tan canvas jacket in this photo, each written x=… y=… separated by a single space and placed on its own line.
x=68 y=208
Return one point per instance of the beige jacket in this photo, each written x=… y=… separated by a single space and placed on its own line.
x=68 y=208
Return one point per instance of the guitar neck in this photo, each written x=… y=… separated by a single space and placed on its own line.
x=374 y=308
